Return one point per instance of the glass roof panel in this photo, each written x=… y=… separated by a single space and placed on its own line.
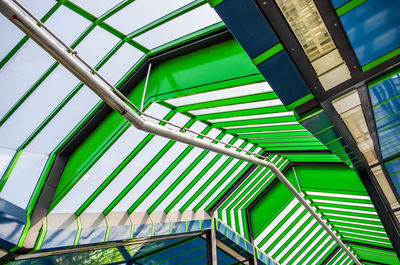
x=137 y=164
x=105 y=166
x=14 y=35
x=67 y=25
x=96 y=7
x=239 y=91
x=22 y=180
x=100 y=171
x=190 y=22
x=142 y=12
x=20 y=125
x=96 y=45
x=120 y=63
x=21 y=72
x=65 y=120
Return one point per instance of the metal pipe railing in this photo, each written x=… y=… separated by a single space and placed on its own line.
x=22 y=21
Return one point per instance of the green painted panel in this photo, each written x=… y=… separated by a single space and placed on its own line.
x=327 y=178
x=167 y=78
x=269 y=206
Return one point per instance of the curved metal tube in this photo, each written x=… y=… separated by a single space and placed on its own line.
x=42 y=38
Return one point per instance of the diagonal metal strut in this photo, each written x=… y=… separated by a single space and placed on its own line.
x=22 y=21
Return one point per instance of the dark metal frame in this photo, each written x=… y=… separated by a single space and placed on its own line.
x=51 y=183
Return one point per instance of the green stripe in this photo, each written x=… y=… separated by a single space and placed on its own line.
x=238 y=113
x=182 y=176
x=143 y=172
x=383 y=78
x=292 y=237
x=194 y=181
x=381 y=59
x=114 y=174
x=164 y=174
x=26 y=38
x=10 y=168
x=78 y=231
x=253 y=121
x=299 y=241
x=276 y=135
x=187 y=38
x=85 y=168
x=42 y=234
x=28 y=93
x=138 y=177
x=227 y=101
x=166 y=18
x=214 y=3
x=312 y=250
x=300 y=101
x=267 y=54
x=271 y=128
x=348 y=6
x=210 y=180
x=223 y=181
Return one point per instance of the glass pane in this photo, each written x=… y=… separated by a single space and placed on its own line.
x=150 y=177
x=258 y=116
x=96 y=7
x=36 y=108
x=190 y=22
x=14 y=35
x=100 y=171
x=104 y=166
x=38 y=7
x=228 y=180
x=233 y=92
x=243 y=106
x=120 y=63
x=23 y=178
x=129 y=172
x=21 y=72
x=67 y=25
x=96 y=45
x=68 y=117
x=5 y=157
x=142 y=12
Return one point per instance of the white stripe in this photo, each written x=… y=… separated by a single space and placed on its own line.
x=336 y=195
x=354 y=233
x=355 y=223
x=241 y=106
x=266 y=125
x=297 y=238
x=344 y=203
x=321 y=245
x=346 y=210
x=344 y=260
x=276 y=221
x=316 y=261
x=352 y=217
x=307 y=250
x=301 y=245
x=282 y=228
x=254 y=117
x=233 y=92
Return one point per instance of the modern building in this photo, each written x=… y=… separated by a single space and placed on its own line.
x=200 y=132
